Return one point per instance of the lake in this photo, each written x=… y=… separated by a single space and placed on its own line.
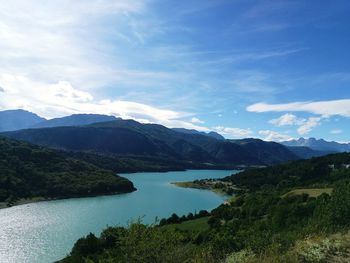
x=46 y=231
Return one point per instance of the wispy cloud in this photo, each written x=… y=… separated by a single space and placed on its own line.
x=287 y=119
x=336 y=131
x=332 y=77
x=196 y=120
x=308 y=125
x=93 y=45
x=265 y=17
x=240 y=56
x=254 y=82
x=192 y=7
x=269 y=135
x=324 y=108
x=305 y=125
x=48 y=42
x=60 y=99
x=233 y=132
x=267 y=8
x=161 y=62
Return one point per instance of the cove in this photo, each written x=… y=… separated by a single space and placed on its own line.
x=46 y=231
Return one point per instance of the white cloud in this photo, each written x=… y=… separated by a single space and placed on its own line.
x=324 y=108
x=309 y=124
x=72 y=41
x=196 y=120
x=287 y=119
x=233 y=132
x=336 y=131
x=60 y=99
x=274 y=136
x=100 y=46
x=305 y=125
x=252 y=81
x=57 y=58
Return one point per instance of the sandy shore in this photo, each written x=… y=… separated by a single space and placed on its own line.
x=24 y=201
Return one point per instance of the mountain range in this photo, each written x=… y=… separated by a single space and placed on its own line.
x=128 y=138
x=152 y=144
x=11 y=120
x=212 y=134
x=74 y=120
x=319 y=145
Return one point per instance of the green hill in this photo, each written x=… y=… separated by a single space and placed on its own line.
x=29 y=171
x=130 y=139
x=295 y=212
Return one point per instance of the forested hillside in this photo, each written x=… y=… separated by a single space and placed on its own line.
x=296 y=212
x=74 y=120
x=128 y=138
x=28 y=171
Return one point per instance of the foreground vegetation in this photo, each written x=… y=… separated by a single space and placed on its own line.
x=285 y=213
x=35 y=173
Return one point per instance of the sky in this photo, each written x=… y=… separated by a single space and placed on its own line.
x=274 y=70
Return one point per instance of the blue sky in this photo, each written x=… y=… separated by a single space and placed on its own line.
x=275 y=70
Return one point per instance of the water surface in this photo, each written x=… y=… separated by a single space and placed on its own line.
x=46 y=231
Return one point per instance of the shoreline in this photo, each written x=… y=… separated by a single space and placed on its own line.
x=184 y=170
x=207 y=187
x=23 y=201
x=30 y=200
x=198 y=186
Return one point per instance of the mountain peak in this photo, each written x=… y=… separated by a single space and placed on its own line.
x=75 y=120
x=211 y=134
x=18 y=119
x=319 y=145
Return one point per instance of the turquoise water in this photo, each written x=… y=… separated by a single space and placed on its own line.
x=46 y=231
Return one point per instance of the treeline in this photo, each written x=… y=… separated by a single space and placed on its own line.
x=319 y=171
x=175 y=219
x=260 y=219
x=32 y=171
x=132 y=164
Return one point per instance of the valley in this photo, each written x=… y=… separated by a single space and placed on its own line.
x=162 y=131
x=168 y=188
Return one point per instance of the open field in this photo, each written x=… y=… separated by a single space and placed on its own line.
x=312 y=192
x=196 y=225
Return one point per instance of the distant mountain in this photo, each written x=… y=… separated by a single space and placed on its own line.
x=128 y=138
x=11 y=120
x=210 y=134
x=74 y=120
x=224 y=151
x=307 y=153
x=319 y=145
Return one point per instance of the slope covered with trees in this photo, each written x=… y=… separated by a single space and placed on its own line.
x=284 y=213
x=28 y=171
x=128 y=138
